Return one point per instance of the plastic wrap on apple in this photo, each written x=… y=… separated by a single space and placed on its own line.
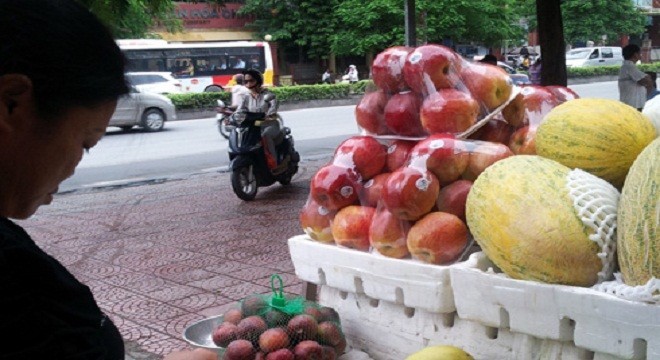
x=398 y=153
x=366 y=155
x=316 y=221
x=483 y=154
x=370 y=113
x=387 y=69
x=335 y=186
x=388 y=234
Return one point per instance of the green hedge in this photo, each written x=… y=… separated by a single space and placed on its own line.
x=588 y=71
x=284 y=94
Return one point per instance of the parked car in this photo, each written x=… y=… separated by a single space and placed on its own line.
x=155 y=82
x=594 y=56
x=517 y=78
x=146 y=110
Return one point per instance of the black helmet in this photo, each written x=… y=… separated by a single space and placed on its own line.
x=239 y=79
x=256 y=75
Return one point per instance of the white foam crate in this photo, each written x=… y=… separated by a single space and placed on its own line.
x=407 y=282
x=388 y=331
x=590 y=319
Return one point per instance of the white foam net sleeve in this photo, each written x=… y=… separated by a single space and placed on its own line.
x=596 y=202
x=649 y=292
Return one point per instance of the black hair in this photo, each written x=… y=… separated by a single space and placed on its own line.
x=256 y=75
x=239 y=79
x=489 y=59
x=630 y=50
x=68 y=54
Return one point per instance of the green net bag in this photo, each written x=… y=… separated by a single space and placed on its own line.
x=279 y=327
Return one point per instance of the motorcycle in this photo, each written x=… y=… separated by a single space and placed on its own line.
x=224 y=119
x=249 y=169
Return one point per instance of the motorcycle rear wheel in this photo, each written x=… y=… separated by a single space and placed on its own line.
x=244 y=183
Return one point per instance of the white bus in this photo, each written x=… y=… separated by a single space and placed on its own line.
x=199 y=66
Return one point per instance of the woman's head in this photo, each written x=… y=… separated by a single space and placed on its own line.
x=60 y=76
x=253 y=79
x=69 y=56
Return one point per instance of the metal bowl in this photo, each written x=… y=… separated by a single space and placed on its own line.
x=199 y=334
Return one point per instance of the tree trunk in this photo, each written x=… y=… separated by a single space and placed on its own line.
x=551 y=39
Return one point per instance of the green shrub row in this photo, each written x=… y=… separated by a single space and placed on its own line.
x=208 y=100
x=589 y=71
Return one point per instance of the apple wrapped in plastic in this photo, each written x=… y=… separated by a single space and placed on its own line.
x=388 y=234
x=448 y=110
x=443 y=155
x=494 y=130
x=370 y=112
x=350 y=227
x=316 y=221
x=432 y=67
x=335 y=187
x=402 y=114
x=489 y=85
x=397 y=153
x=363 y=153
x=483 y=155
x=410 y=193
x=387 y=69
x=438 y=238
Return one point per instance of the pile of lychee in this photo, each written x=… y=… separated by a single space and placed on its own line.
x=256 y=331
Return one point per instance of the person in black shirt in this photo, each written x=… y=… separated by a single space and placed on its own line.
x=61 y=73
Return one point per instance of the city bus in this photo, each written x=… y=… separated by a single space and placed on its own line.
x=199 y=67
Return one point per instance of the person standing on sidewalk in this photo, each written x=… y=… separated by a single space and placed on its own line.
x=633 y=83
x=61 y=73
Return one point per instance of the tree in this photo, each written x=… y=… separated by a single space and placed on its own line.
x=378 y=24
x=590 y=20
x=308 y=24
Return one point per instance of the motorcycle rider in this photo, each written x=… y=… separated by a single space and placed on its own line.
x=261 y=100
x=238 y=92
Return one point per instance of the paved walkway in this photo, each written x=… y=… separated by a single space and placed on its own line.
x=160 y=256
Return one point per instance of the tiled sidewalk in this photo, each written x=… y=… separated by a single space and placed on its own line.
x=161 y=256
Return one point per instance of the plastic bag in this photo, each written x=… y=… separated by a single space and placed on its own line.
x=275 y=326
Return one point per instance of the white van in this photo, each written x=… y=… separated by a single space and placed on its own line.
x=594 y=56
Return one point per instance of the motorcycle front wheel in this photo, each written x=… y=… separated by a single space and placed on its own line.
x=222 y=128
x=244 y=183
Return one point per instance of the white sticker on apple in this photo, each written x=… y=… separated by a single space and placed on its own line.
x=346 y=191
x=437 y=144
x=369 y=183
x=415 y=57
x=422 y=184
x=323 y=211
x=391 y=148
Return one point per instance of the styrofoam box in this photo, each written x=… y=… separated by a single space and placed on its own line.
x=388 y=331
x=407 y=282
x=590 y=319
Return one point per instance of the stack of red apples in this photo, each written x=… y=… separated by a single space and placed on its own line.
x=434 y=123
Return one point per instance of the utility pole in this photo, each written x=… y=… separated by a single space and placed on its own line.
x=410 y=24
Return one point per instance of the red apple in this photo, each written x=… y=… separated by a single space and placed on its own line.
x=443 y=155
x=363 y=153
x=448 y=110
x=397 y=153
x=330 y=334
x=240 y=350
x=387 y=69
x=438 y=238
x=452 y=198
x=387 y=234
x=308 y=350
x=373 y=189
x=490 y=85
x=495 y=130
x=233 y=316
x=523 y=141
x=430 y=67
x=315 y=220
x=370 y=112
x=302 y=327
x=281 y=354
x=402 y=114
x=514 y=112
x=335 y=187
x=562 y=93
x=410 y=193
x=483 y=156
x=538 y=102
x=350 y=227
x=224 y=334
x=251 y=327
x=273 y=339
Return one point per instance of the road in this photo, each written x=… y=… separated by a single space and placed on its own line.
x=186 y=147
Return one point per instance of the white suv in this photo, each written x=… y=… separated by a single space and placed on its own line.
x=154 y=82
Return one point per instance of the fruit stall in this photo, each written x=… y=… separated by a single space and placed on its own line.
x=512 y=223
x=474 y=219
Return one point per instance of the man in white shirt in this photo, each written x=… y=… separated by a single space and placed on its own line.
x=238 y=91
x=633 y=83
